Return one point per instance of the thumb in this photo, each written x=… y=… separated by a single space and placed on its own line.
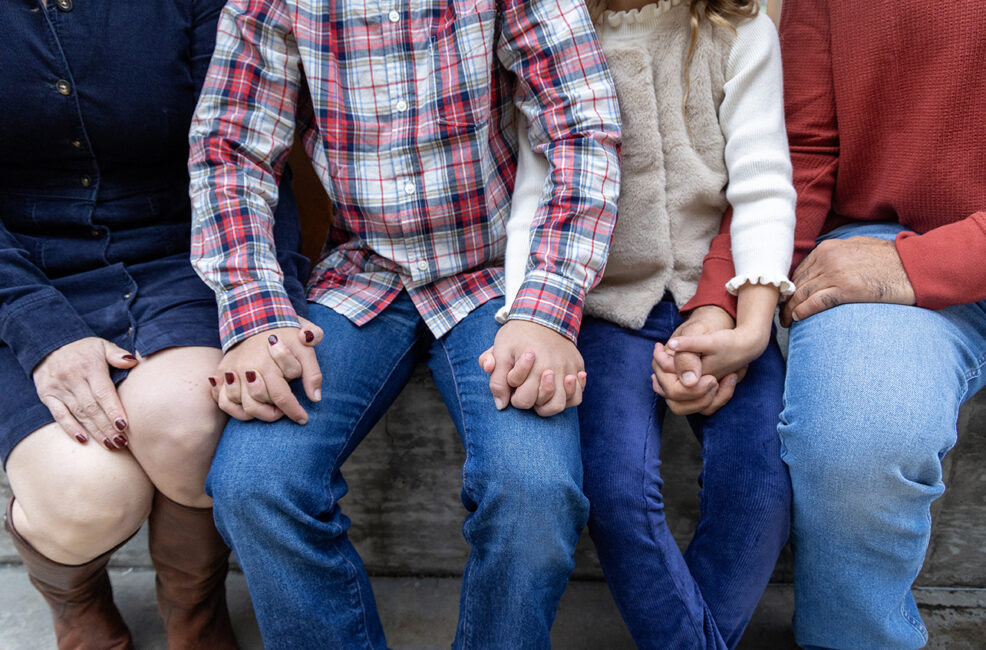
x=309 y=333
x=487 y=362
x=118 y=357
x=703 y=344
x=688 y=367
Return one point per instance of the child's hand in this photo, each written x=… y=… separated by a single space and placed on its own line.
x=706 y=396
x=252 y=379
x=724 y=351
x=524 y=362
x=521 y=371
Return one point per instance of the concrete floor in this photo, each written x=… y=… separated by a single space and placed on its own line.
x=420 y=614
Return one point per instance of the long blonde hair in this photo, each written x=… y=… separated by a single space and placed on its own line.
x=718 y=12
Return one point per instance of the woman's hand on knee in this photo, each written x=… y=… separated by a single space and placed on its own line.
x=253 y=377
x=74 y=383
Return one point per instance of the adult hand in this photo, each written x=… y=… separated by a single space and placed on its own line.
x=525 y=360
x=251 y=384
x=74 y=383
x=840 y=271
x=680 y=378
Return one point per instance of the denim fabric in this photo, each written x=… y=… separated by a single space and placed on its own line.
x=95 y=104
x=705 y=597
x=276 y=490
x=870 y=409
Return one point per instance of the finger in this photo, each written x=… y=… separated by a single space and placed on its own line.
x=104 y=392
x=525 y=396
x=786 y=310
x=284 y=357
x=84 y=408
x=571 y=383
x=256 y=401
x=673 y=389
x=663 y=362
x=486 y=361
x=689 y=407
x=498 y=381
x=655 y=385
x=231 y=387
x=284 y=399
x=727 y=386
x=214 y=389
x=311 y=373
x=118 y=357
x=231 y=409
x=583 y=378
x=555 y=406
x=65 y=420
x=688 y=367
x=702 y=344
x=547 y=387
x=310 y=334
x=521 y=370
x=817 y=302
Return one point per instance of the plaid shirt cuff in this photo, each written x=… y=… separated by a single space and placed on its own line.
x=253 y=308
x=551 y=300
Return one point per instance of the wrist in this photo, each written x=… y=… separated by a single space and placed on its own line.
x=753 y=339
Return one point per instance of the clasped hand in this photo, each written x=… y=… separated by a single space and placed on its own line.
x=252 y=379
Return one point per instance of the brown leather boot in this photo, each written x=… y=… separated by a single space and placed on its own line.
x=191 y=561
x=80 y=597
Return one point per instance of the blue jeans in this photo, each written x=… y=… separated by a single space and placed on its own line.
x=704 y=598
x=870 y=409
x=277 y=489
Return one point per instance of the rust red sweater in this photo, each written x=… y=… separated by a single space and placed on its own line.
x=886 y=116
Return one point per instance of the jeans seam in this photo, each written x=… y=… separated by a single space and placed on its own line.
x=917 y=625
x=336 y=467
x=465 y=435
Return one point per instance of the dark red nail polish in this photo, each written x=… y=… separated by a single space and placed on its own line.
x=129 y=357
x=108 y=444
x=251 y=376
x=309 y=336
x=120 y=440
x=81 y=438
x=212 y=380
x=120 y=424
x=272 y=339
x=230 y=378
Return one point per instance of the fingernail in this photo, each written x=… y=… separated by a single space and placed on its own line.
x=230 y=378
x=733 y=381
x=120 y=424
x=318 y=395
x=795 y=318
x=309 y=336
x=251 y=376
x=120 y=440
x=212 y=380
x=81 y=438
x=499 y=403
x=673 y=344
x=108 y=444
x=713 y=388
x=272 y=339
x=129 y=357
x=688 y=376
x=528 y=355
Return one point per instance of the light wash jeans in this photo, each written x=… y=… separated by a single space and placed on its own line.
x=277 y=489
x=870 y=409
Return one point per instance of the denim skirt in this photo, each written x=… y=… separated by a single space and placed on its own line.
x=131 y=282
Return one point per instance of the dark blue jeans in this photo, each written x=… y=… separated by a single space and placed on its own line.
x=705 y=597
x=277 y=489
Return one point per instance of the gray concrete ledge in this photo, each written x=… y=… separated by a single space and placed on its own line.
x=420 y=614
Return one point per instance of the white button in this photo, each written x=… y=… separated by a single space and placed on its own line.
x=394 y=16
x=409 y=188
x=460 y=312
x=401 y=105
x=422 y=266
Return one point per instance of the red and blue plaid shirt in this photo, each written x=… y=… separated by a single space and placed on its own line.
x=406 y=109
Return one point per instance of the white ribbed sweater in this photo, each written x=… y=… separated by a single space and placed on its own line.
x=678 y=174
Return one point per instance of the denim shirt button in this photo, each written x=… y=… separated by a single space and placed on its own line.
x=86 y=181
x=78 y=144
x=65 y=5
x=96 y=233
x=63 y=87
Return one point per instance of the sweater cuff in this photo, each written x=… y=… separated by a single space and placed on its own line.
x=36 y=328
x=945 y=265
x=712 y=290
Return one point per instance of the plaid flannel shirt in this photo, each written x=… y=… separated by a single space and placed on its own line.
x=405 y=108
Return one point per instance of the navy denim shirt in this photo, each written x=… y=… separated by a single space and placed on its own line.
x=96 y=98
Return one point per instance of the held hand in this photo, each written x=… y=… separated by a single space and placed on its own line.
x=251 y=384
x=524 y=362
x=74 y=383
x=840 y=271
x=724 y=351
